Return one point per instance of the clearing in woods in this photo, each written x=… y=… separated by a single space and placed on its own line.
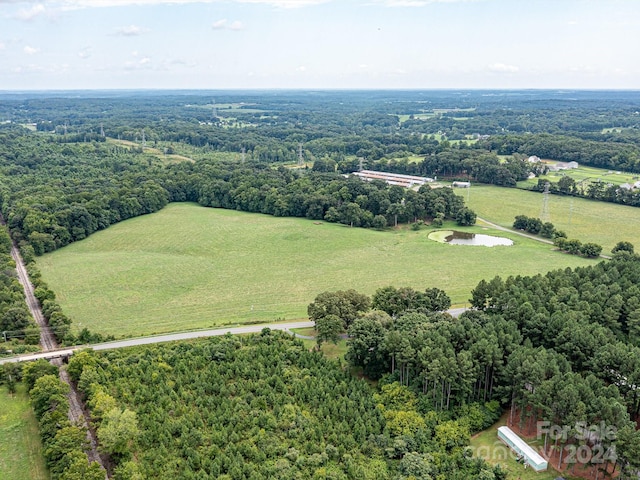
x=189 y=267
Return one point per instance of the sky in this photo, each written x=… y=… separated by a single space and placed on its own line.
x=319 y=44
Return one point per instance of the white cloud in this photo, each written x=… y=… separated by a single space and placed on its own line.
x=123 y=3
x=28 y=14
x=418 y=3
x=85 y=53
x=503 y=68
x=286 y=3
x=30 y=50
x=301 y=68
x=223 y=24
x=219 y=24
x=2 y=46
x=131 y=31
x=27 y=68
x=138 y=63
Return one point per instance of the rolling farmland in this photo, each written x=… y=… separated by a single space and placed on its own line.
x=193 y=267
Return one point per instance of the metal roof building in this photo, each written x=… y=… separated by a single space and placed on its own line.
x=513 y=441
x=407 y=181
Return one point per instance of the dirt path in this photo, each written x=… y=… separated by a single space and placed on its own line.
x=522 y=234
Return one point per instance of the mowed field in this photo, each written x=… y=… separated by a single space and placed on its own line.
x=21 y=455
x=586 y=220
x=189 y=267
x=586 y=175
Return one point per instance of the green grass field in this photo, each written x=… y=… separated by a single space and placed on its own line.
x=589 y=221
x=20 y=448
x=193 y=267
x=586 y=175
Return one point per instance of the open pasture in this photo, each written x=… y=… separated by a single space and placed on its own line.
x=586 y=220
x=20 y=447
x=585 y=175
x=189 y=267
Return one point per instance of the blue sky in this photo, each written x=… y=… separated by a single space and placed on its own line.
x=416 y=44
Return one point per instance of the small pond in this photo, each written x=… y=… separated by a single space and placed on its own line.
x=463 y=238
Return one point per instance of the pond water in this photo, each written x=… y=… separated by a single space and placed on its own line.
x=464 y=238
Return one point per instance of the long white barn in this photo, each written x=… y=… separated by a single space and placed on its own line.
x=515 y=443
x=393 y=178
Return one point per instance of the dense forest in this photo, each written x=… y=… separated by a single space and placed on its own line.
x=15 y=320
x=262 y=407
x=562 y=348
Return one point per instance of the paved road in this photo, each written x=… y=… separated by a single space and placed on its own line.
x=159 y=339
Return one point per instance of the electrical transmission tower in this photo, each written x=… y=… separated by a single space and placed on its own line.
x=300 y=156
x=144 y=139
x=244 y=151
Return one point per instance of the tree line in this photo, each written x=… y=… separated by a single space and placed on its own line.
x=548 y=230
x=17 y=327
x=561 y=348
x=57 y=194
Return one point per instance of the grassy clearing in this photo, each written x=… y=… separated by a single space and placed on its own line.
x=589 y=221
x=20 y=448
x=330 y=350
x=193 y=267
x=586 y=175
x=487 y=445
x=416 y=116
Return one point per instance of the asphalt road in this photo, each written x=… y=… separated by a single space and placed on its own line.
x=171 y=337
x=64 y=352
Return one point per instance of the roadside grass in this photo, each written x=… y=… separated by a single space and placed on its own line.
x=586 y=220
x=189 y=267
x=21 y=456
x=486 y=445
x=334 y=351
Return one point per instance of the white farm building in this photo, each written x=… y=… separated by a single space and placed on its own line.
x=407 y=181
x=520 y=447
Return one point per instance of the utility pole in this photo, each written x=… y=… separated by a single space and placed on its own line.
x=4 y=334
